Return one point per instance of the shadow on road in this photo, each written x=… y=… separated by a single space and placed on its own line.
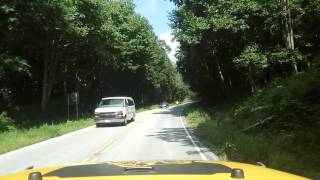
x=174 y=111
x=177 y=135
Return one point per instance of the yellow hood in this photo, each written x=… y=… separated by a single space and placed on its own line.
x=162 y=170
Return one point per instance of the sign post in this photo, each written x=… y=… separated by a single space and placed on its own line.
x=77 y=108
x=68 y=104
x=73 y=99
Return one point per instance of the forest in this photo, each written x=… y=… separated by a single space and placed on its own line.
x=256 y=66
x=235 y=48
x=98 y=48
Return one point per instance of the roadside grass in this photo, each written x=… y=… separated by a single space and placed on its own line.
x=223 y=136
x=278 y=126
x=31 y=132
x=17 y=138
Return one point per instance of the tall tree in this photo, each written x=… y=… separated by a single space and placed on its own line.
x=288 y=29
x=95 y=47
x=234 y=47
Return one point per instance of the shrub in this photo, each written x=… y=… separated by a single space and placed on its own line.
x=6 y=123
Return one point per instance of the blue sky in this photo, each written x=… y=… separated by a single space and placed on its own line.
x=157 y=13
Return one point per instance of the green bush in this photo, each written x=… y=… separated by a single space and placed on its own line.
x=6 y=123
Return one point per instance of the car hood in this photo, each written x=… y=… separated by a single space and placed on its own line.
x=163 y=170
x=108 y=109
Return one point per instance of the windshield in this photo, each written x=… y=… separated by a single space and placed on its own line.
x=166 y=80
x=111 y=103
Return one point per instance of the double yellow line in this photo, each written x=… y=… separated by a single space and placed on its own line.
x=93 y=158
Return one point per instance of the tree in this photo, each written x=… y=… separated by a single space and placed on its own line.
x=288 y=29
x=254 y=62
x=95 y=47
x=233 y=47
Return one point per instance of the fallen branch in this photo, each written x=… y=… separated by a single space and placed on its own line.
x=260 y=108
x=259 y=123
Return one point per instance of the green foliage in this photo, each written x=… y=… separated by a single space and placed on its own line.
x=13 y=64
x=234 y=48
x=10 y=66
x=96 y=47
x=6 y=123
x=280 y=124
x=253 y=58
x=226 y=141
x=224 y=137
x=294 y=91
x=283 y=56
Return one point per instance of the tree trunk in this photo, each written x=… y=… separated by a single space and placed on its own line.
x=49 y=73
x=52 y=71
x=220 y=72
x=44 y=85
x=252 y=82
x=288 y=31
x=308 y=63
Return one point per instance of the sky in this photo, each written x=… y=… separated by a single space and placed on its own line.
x=157 y=13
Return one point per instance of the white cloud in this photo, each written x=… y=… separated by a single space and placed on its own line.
x=173 y=44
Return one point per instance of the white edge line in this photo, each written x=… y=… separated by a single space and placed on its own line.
x=190 y=137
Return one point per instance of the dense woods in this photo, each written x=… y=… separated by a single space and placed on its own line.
x=95 y=47
x=255 y=64
x=231 y=48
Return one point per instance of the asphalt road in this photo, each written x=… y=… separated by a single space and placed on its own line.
x=159 y=134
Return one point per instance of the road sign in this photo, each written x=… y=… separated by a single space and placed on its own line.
x=73 y=99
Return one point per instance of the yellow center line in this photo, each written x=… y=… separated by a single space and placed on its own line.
x=94 y=157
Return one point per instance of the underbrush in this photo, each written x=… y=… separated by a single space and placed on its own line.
x=278 y=127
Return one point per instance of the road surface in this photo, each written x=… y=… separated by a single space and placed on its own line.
x=159 y=134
